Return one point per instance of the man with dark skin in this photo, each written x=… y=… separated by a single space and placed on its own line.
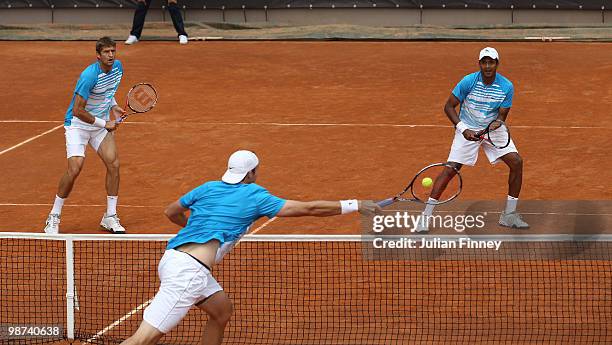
x=483 y=96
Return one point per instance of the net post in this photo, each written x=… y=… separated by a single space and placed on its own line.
x=70 y=288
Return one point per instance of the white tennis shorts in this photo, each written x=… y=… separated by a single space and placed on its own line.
x=184 y=282
x=466 y=152
x=78 y=138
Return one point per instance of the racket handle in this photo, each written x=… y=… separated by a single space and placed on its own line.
x=386 y=202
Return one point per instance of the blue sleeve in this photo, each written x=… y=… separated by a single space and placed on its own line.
x=268 y=204
x=86 y=83
x=190 y=198
x=507 y=103
x=464 y=87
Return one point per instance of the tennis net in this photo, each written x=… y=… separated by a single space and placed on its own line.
x=314 y=290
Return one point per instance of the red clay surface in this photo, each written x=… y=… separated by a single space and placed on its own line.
x=206 y=88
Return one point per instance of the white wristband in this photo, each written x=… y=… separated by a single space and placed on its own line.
x=98 y=122
x=348 y=206
x=461 y=127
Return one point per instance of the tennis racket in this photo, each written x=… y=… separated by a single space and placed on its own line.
x=416 y=191
x=141 y=98
x=496 y=133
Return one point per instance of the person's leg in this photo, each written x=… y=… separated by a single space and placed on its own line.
x=443 y=179
x=106 y=147
x=462 y=152
x=177 y=18
x=219 y=309
x=510 y=156
x=140 y=14
x=75 y=165
x=515 y=179
x=76 y=140
x=145 y=335
x=509 y=217
x=107 y=150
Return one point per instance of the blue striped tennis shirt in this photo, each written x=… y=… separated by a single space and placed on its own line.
x=480 y=103
x=98 y=88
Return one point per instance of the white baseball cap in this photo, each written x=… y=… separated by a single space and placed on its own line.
x=490 y=52
x=238 y=166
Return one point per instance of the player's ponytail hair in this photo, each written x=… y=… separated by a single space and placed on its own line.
x=104 y=42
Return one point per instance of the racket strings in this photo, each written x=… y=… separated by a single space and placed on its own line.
x=449 y=185
x=142 y=98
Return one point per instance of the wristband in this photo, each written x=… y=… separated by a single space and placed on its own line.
x=98 y=122
x=461 y=127
x=348 y=206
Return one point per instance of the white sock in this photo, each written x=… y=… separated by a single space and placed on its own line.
x=511 y=204
x=430 y=206
x=57 y=205
x=111 y=205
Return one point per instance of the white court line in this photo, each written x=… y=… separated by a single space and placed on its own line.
x=273 y=219
x=282 y=124
x=118 y=321
x=263 y=225
x=77 y=205
x=30 y=121
x=32 y=138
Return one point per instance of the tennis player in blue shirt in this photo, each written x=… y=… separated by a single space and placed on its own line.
x=88 y=122
x=221 y=212
x=483 y=96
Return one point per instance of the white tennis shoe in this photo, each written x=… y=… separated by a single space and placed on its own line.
x=512 y=220
x=52 y=224
x=183 y=39
x=111 y=223
x=131 y=39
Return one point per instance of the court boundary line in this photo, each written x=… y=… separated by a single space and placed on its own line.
x=30 y=139
x=118 y=321
x=274 y=218
x=263 y=225
x=323 y=124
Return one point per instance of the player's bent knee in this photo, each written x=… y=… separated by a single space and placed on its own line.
x=222 y=312
x=514 y=161
x=74 y=168
x=114 y=165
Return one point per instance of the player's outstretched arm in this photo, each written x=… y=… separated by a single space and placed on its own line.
x=177 y=213
x=321 y=208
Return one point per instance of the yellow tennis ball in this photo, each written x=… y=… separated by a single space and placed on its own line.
x=427 y=182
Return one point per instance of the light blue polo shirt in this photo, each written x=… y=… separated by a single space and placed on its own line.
x=480 y=103
x=224 y=211
x=98 y=88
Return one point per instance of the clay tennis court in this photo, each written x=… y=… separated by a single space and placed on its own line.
x=329 y=120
